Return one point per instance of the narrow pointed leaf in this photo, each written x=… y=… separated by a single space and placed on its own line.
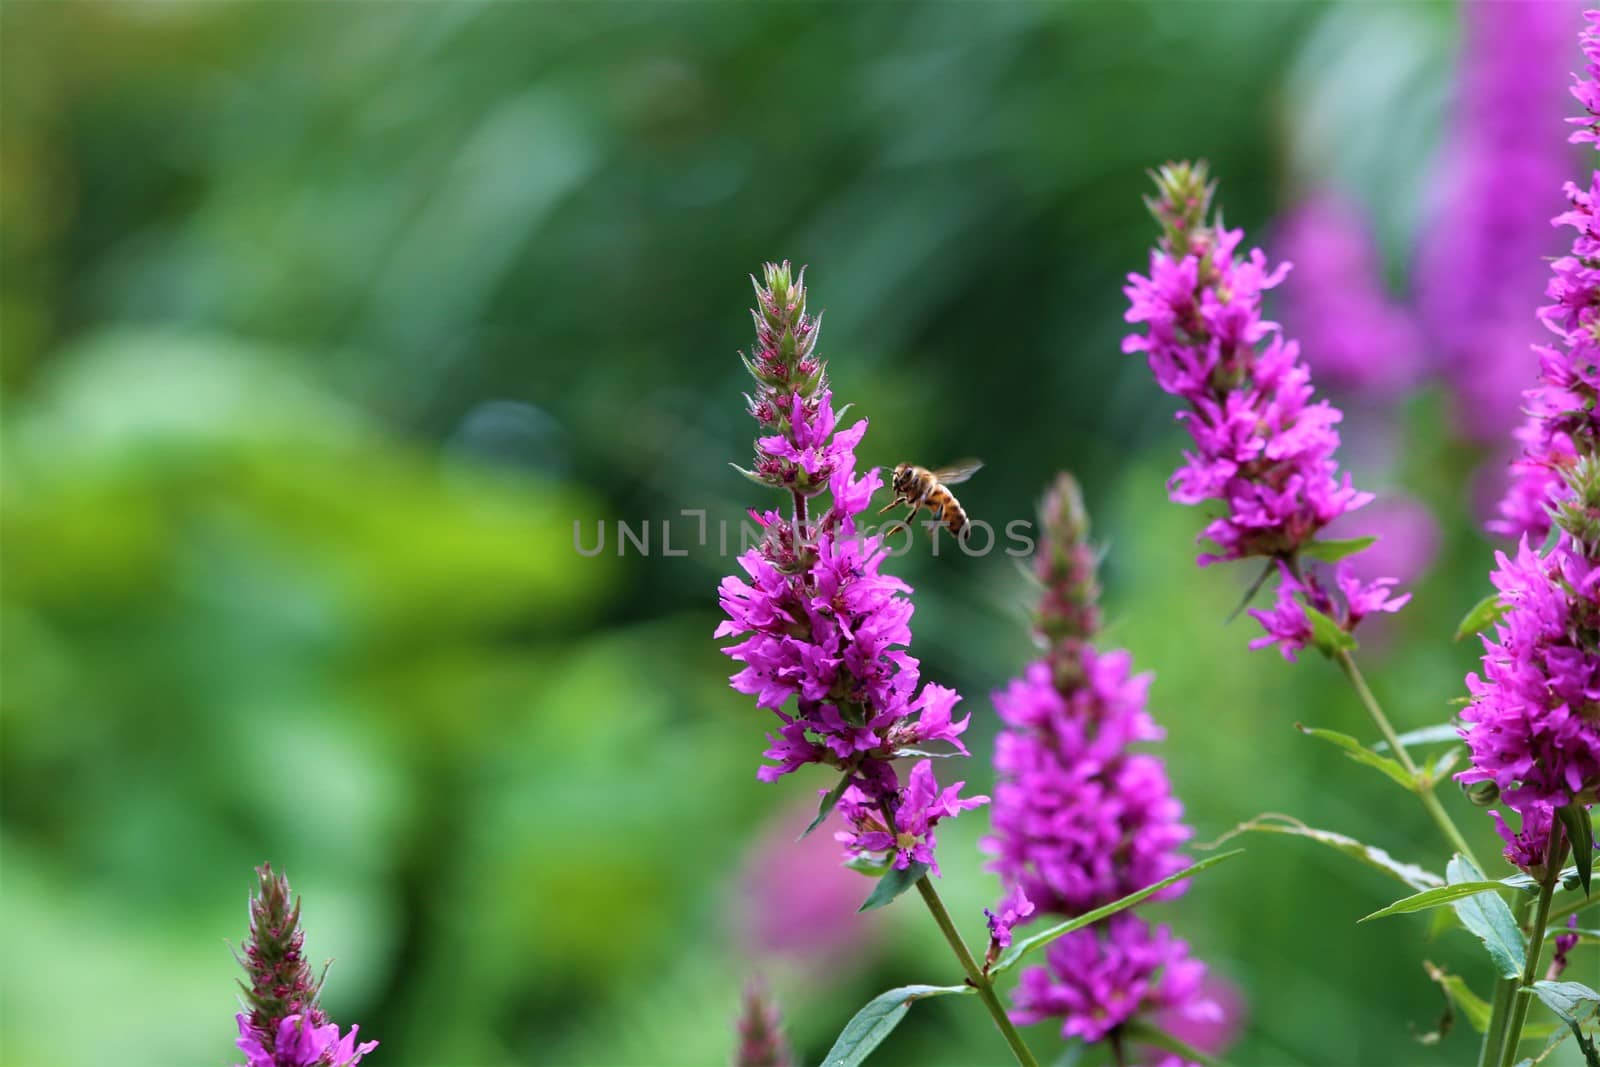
x=922 y=753
x=877 y=1020
x=1362 y=754
x=1334 y=551
x=1484 y=614
x=1408 y=873
x=1580 y=832
x=829 y=799
x=1489 y=919
x=894 y=882
x=1427 y=735
x=1019 y=949
x=1433 y=898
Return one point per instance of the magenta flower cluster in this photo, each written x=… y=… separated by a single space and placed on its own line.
x=1533 y=719
x=301 y=1043
x=1533 y=723
x=1562 y=421
x=1263 y=445
x=820 y=625
x=1080 y=818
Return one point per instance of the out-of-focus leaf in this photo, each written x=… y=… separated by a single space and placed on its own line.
x=1474 y=1007
x=1427 y=735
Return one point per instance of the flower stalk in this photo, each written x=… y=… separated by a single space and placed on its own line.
x=1522 y=998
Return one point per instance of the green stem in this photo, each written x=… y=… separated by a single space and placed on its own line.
x=975 y=975
x=1530 y=968
x=1423 y=789
x=1504 y=989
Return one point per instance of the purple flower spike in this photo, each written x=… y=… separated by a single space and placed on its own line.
x=1483 y=252
x=1363 y=340
x=823 y=633
x=284 y=1026
x=1532 y=723
x=1263 y=445
x=1081 y=819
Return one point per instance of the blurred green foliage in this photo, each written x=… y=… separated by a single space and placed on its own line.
x=322 y=324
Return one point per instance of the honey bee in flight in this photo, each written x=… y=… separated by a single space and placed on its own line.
x=919 y=487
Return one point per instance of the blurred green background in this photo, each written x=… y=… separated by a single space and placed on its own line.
x=323 y=324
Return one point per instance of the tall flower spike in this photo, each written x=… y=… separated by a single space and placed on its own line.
x=761 y=1039
x=819 y=624
x=1532 y=722
x=1482 y=254
x=1263 y=446
x=1079 y=818
x=284 y=1026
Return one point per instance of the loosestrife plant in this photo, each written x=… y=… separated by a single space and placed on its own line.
x=1531 y=722
x=283 y=1025
x=823 y=639
x=1081 y=819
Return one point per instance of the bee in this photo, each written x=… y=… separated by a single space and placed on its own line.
x=921 y=488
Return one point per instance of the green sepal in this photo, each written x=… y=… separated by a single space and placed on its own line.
x=1362 y=754
x=1580 y=832
x=1484 y=614
x=829 y=799
x=869 y=1026
x=894 y=882
x=1334 y=551
x=1329 y=637
x=753 y=476
x=1013 y=955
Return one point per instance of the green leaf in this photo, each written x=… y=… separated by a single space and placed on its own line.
x=1580 y=832
x=1329 y=637
x=1484 y=614
x=894 y=882
x=1409 y=873
x=1489 y=919
x=1019 y=949
x=866 y=865
x=1334 y=551
x=1362 y=754
x=1474 y=1007
x=829 y=799
x=1566 y=999
x=877 y=1020
x=1433 y=898
x=1428 y=735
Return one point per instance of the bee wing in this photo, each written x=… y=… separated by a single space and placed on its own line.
x=959 y=471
